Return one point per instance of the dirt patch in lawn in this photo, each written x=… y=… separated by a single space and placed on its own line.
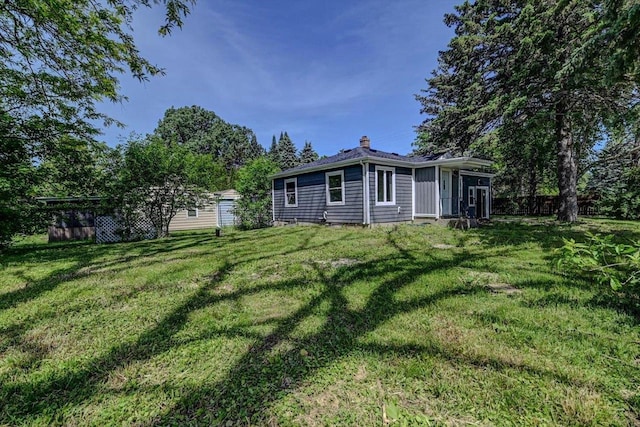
x=490 y=281
x=443 y=246
x=502 y=288
x=337 y=263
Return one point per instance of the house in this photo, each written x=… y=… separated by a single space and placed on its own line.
x=217 y=213
x=367 y=186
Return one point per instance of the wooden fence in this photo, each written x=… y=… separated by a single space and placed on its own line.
x=542 y=205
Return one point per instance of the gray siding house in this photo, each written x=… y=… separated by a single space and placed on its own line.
x=367 y=186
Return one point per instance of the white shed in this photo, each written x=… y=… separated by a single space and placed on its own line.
x=217 y=213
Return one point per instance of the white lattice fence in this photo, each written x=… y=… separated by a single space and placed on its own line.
x=111 y=229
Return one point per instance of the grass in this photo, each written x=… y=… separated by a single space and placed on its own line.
x=411 y=325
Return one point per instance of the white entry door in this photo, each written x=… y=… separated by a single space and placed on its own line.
x=445 y=192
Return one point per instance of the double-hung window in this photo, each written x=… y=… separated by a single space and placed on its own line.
x=385 y=186
x=291 y=193
x=335 y=187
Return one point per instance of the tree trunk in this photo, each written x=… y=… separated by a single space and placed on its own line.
x=567 y=167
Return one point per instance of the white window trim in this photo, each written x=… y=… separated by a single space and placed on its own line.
x=469 y=190
x=194 y=209
x=393 y=185
x=295 y=186
x=326 y=178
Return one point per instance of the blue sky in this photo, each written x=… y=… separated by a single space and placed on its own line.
x=327 y=72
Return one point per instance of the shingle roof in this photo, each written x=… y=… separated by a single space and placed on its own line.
x=360 y=152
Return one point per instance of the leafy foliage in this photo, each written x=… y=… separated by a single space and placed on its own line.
x=203 y=132
x=254 y=185
x=157 y=180
x=58 y=59
x=77 y=167
x=607 y=262
x=17 y=176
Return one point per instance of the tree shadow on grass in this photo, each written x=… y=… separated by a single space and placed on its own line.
x=84 y=260
x=266 y=374
x=278 y=361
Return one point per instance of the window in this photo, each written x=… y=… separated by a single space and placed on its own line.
x=192 y=213
x=472 y=196
x=335 y=188
x=291 y=193
x=385 y=186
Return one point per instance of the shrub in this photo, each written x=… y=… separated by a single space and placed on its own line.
x=607 y=262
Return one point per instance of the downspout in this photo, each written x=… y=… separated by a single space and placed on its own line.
x=366 y=220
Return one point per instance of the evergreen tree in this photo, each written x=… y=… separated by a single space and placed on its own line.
x=524 y=78
x=308 y=154
x=272 y=154
x=287 y=153
x=615 y=178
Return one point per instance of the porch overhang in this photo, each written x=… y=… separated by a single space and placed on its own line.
x=462 y=163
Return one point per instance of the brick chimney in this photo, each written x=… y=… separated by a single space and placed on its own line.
x=365 y=142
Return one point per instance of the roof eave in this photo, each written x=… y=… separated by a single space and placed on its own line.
x=461 y=161
x=327 y=166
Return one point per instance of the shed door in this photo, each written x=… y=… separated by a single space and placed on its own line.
x=225 y=213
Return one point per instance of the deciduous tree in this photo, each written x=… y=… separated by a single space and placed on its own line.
x=58 y=60
x=254 y=185
x=204 y=132
x=158 y=180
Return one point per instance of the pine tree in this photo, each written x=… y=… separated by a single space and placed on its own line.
x=287 y=153
x=615 y=178
x=521 y=80
x=308 y=154
x=272 y=154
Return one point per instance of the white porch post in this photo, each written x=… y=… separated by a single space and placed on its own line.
x=438 y=192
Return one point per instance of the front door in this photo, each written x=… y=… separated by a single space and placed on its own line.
x=482 y=202
x=445 y=193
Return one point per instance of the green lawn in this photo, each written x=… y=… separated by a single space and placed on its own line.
x=411 y=325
